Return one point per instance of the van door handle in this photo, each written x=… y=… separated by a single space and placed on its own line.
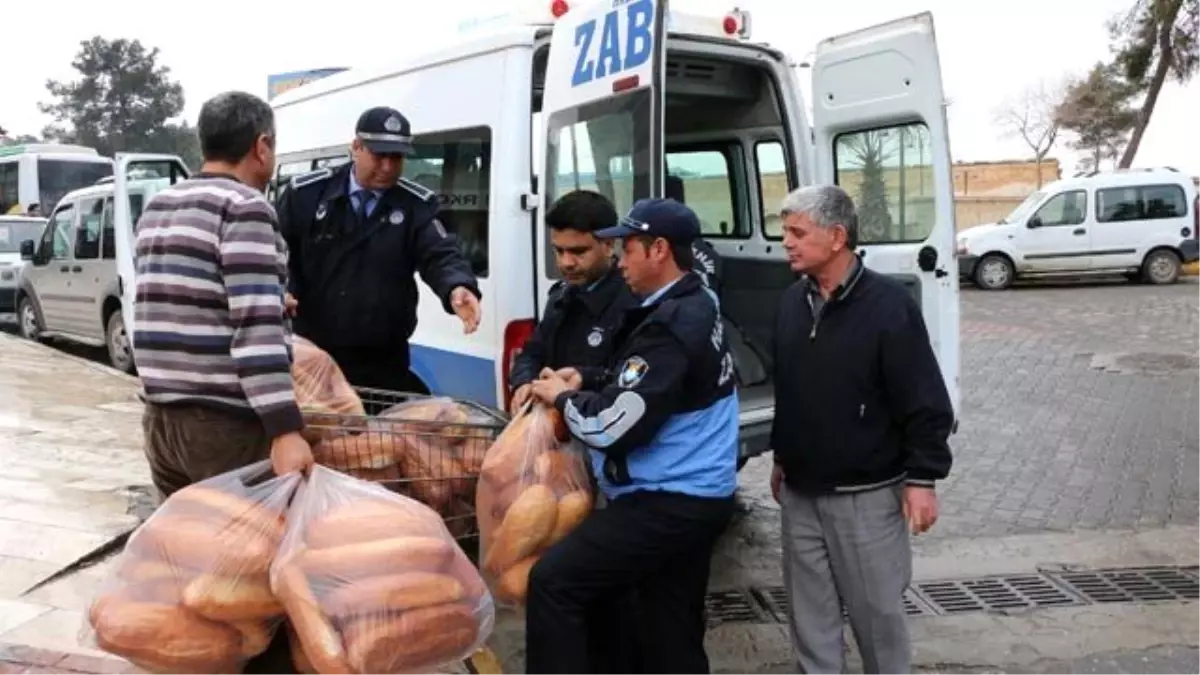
x=1079 y=231
x=77 y=268
x=64 y=268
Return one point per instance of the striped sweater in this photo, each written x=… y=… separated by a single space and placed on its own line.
x=209 y=323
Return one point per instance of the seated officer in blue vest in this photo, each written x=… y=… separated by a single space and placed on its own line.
x=662 y=433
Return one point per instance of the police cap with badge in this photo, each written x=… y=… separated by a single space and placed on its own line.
x=384 y=131
x=659 y=218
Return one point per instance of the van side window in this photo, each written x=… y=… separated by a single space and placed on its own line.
x=704 y=180
x=457 y=165
x=9 y=185
x=57 y=240
x=773 y=185
x=108 y=240
x=1140 y=202
x=1065 y=208
x=87 y=233
x=889 y=173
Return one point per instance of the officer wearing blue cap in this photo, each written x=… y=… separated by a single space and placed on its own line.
x=357 y=236
x=662 y=434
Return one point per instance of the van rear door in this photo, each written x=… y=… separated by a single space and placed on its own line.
x=131 y=166
x=602 y=109
x=879 y=128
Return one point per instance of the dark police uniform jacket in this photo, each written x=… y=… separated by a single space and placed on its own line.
x=577 y=330
x=355 y=281
x=666 y=417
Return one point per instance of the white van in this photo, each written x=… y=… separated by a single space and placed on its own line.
x=1143 y=223
x=608 y=98
x=42 y=173
x=70 y=287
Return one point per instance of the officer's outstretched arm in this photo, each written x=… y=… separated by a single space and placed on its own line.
x=644 y=391
x=288 y=224
x=441 y=263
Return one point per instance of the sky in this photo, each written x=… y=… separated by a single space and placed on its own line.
x=989 y=52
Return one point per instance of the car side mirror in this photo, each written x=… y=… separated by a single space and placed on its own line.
x=1034 y=223
x=27 y=249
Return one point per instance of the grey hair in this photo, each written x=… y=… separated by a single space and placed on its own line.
x=231 y=123
x=825 y=206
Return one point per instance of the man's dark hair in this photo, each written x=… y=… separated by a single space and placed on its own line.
x=230 y=125
x=681 y=253
x=583 y=211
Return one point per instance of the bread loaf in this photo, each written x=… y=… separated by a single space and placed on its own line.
x=204 y=544
x=370 y=558
x=327 y=401
x=206 y=502
x=369 y=520
x=527 y=523
x=393 y=593
x=256 y=637
x=299 y=658
x=168 y=637
x=370 y=450
x=573 y=508
x=232 y=599
x=513 y=584
x=320 y=642
x=411 y=641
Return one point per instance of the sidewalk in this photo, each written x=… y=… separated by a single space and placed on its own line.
x=70 y=445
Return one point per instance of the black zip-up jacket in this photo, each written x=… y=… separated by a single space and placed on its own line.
x=859 y=398
x=355 y=283
x=578 y=330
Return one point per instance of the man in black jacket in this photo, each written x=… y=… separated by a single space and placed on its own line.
x=357 y=235
x=862 y=421
x=585 y=308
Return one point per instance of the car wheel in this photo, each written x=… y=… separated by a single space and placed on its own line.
x=120 y=352
x=1161 y=267
x=30 y=324
x=994 y=273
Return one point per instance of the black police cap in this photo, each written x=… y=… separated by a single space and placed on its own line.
x=385 y=131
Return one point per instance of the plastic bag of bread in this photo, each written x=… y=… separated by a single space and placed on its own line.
x=328 y=403
x=191 y=591
x=372 y=582
x=534 y=488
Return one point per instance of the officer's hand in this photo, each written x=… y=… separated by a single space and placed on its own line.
x=466 y=307
x=519 y=398
x=548 y=388
x=290 y=452
x=290 y=304
x=571 y=376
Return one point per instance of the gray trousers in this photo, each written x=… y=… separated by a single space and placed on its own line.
x=851 y=549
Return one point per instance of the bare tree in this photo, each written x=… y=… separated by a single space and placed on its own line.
x=1033 y=117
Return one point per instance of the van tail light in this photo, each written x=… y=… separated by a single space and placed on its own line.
x=515 y=336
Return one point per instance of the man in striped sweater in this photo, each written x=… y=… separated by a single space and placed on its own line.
x=209 y=335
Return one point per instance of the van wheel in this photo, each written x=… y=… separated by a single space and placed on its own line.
x=1161 y=267
x=994 y=273
x=120 y=352
x=30 y=324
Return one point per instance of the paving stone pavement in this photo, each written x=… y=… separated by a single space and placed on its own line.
x=1079 y=410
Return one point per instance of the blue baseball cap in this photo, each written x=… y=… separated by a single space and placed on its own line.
x=666 y=218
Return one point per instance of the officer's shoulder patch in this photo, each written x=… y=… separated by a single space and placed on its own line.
x=632 y=372
x=420 y=191
x=311 y=177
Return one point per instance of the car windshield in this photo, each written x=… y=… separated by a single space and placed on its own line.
x=1018 y=214
x=12 y=233
x=57 y=177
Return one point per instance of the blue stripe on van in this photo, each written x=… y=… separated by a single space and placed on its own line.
x=459 y=375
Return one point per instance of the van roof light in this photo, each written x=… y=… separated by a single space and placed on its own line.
x=558 y=8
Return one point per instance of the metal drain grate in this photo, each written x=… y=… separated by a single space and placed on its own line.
x=994 y=594
x=1134 y=584
x=734 y=606
x=775 y=599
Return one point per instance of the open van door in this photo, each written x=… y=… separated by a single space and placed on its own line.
x=141 y=175
x=602 y=110
x=879 y=130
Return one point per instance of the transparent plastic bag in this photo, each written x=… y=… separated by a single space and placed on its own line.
x=372 y=582
x=534 y=488
x=191 y=591
x=329 y=404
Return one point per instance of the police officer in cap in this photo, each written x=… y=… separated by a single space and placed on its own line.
x=357 y=237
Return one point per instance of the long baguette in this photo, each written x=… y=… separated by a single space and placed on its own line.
x=384 y=556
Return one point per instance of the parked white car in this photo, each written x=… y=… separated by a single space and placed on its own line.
x=13 y=231
x=1143 y=223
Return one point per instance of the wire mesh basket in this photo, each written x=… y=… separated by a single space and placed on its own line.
x=429 y=448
